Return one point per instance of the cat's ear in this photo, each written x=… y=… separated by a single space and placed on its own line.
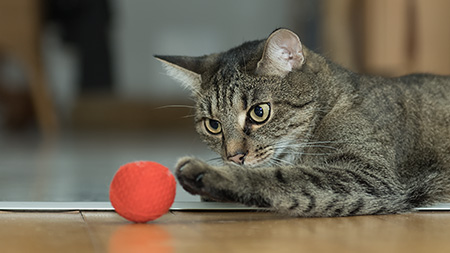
x=283 y=53
x=186 y=70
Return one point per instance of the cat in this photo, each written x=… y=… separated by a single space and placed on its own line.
x=303 y=136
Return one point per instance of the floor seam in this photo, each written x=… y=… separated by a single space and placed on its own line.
x=90 y=233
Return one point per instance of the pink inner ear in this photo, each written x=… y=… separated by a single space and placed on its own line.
x=290 y=43
x=283 y=53
x=286 y=57
x=286 y=54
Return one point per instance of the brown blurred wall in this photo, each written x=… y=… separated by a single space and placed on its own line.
x=388 y=37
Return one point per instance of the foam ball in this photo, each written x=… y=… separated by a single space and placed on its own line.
x=142 y=191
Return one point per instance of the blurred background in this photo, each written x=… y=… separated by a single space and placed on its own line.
x=81 y=94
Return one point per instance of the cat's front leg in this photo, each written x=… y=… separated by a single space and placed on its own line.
x=215 y=183
x=309 y=191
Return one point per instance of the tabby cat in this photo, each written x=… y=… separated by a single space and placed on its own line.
x=302 y=136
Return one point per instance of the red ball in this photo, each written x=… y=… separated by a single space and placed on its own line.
x=142 y=191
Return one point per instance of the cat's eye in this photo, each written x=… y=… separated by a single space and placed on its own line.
x=213 y=126
x=260 y=113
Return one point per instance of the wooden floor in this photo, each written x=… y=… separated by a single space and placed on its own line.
x=222 y=232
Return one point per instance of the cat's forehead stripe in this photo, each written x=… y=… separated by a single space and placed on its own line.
x=210 y=110
x=230 y=94
x=227 y=94
x=222 y=95
x=244 y=101
x=214 y=105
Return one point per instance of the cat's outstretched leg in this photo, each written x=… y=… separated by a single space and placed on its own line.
x=295 y=190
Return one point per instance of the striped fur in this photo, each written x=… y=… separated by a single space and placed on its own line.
x=334 y=143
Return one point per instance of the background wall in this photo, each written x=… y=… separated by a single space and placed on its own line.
x=386 y=37
x=142 y=28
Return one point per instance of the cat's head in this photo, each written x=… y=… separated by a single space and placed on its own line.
x=254 y=104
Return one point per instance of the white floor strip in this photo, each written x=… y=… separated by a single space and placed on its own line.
x=177 y=206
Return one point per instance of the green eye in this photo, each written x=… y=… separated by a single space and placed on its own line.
x=213 y=126
x=260 y=113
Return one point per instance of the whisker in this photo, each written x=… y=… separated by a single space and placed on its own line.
x=175 y=106
x=304 y=146
x=307 y=141
x=215 y=160
x=317 y=154
x=275 y=163
x=303 y=153
x=280 y=161
x=320 y=142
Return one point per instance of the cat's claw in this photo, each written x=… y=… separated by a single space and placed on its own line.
x=199 y=181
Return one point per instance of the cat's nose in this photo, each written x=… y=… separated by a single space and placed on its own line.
x=237 y=158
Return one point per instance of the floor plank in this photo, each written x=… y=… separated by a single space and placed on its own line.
x=44 y=232
x=222 y=232
x=266 y=232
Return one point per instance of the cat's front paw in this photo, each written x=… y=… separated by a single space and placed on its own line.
x=200 y=178
x=190 y=172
